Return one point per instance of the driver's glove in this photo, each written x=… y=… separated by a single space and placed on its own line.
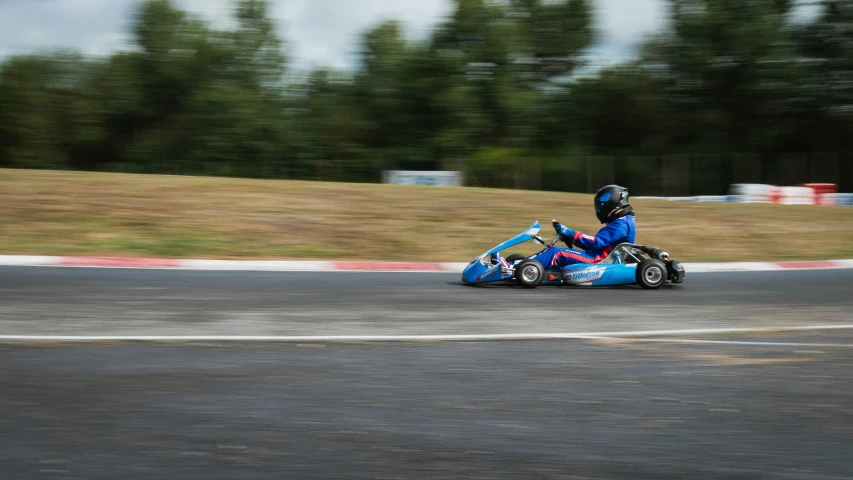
x=566 y=233
x=557 y=227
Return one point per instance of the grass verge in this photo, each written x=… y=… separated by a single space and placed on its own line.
x=102 y=214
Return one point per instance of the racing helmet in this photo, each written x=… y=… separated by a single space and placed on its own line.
x=610 y=200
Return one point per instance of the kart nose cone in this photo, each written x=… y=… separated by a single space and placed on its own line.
x=472 y=271
x=476 y=272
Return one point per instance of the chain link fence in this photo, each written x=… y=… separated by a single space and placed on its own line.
x=667 y=175
x=661 y=175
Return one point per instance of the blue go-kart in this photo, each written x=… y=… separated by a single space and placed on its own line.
x=627 y=264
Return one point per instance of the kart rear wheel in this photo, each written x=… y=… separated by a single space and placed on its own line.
x=651 y=274
x=529 y=273
x=515 y=257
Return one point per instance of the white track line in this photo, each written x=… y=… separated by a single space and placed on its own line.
x=409 y=338
x=725 y=342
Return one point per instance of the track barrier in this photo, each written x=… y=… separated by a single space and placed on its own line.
x=359 y=266
x=825 y=194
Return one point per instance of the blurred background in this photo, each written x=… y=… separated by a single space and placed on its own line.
x=163 y=366
x=674 y=97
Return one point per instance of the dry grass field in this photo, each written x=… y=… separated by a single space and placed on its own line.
x=100 y=214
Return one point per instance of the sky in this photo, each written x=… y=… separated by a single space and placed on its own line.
x=318 y=32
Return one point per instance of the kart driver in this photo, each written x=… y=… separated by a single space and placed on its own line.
x=612 y=209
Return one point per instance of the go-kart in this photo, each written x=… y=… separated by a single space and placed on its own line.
x=627 y=264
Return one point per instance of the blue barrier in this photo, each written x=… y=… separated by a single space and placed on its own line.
x=841 y=198
x=712 y=198
x=669 y=199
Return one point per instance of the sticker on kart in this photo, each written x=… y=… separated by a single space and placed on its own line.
x=584 y=277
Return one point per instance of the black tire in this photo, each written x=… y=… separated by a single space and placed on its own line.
x=515 y=257
x=675 y=271
x=651 y=274
x=529 y=273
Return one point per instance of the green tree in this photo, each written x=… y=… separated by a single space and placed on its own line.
x=207 y=96
x=550 y=37
x=826 y=47
x=330 y=139
x=512 y=54
x=259 y=55
x=44 y=119
x=619 y=111
x=728 y=71
x=380 y=85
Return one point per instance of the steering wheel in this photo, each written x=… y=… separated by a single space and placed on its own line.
x=559 y=237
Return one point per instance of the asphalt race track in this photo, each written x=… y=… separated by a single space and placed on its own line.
x=70 y=301
x=762 y=404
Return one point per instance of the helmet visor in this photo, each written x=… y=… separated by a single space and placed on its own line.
x=601 y=201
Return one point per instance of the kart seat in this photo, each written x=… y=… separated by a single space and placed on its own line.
x=624 y=253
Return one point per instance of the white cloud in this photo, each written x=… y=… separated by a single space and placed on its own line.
x=327 y=32
x=91 y=26
x=318 y=32
x=622 y=25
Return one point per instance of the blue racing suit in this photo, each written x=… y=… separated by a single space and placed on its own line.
x=595 y=248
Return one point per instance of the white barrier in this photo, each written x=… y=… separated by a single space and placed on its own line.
x=828 y=199
x=407 y=177
x=760 y=193
x=751 y=192
x=794 y=196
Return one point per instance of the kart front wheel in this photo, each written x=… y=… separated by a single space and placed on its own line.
x=515 y=257
x=651 y=273
x=529 y=273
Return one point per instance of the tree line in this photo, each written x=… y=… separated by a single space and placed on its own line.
x=500 y=88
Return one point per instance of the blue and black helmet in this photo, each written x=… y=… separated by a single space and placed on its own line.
x=609 y=201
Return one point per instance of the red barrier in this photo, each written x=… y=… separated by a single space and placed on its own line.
x=821 y=187
x=119 y=262
x=776 y=195
x=813 y=264
x=824 y=192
